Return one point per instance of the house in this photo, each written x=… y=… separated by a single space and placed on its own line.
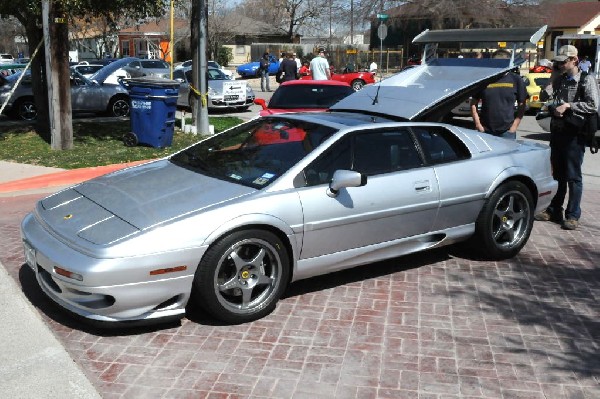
x=152 y=39
x=569 y=18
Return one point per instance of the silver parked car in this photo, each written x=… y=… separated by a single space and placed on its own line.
x=87 y=96
x=239 y=215
x=140 y=67
x=222 y=91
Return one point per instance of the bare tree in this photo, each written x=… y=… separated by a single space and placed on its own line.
x=290 y=15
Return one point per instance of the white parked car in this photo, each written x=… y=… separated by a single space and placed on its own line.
x=6 y=59
x=211 y=64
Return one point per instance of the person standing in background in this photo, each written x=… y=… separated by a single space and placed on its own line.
x=304 y=69
x=319 y=67
x=575 y=105
x=498 y=104
x=585 y=64
x=373 y=67
x=264 y=72
x=288 y=68
x=298 y=62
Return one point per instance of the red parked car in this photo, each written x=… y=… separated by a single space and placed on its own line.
x=355 y=79
x=304 y=95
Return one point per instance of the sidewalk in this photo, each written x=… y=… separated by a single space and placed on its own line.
x=33 y=363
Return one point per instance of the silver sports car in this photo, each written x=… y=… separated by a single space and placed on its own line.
x=238 y=216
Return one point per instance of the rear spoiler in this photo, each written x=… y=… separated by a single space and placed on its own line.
x=519 y=38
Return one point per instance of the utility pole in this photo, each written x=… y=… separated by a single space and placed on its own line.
x=56 y=43
x=199 y=27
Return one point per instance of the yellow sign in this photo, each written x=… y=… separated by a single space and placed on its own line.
x=60 y=20
x=502 y=44
x=352 y=51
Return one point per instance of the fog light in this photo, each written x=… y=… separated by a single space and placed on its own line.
x=68 y=274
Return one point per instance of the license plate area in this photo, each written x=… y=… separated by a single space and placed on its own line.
x=30 y=255
x=231 y=98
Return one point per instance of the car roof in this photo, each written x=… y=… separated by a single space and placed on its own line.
x=314 y=82
x=105 y=72
x=430 y=90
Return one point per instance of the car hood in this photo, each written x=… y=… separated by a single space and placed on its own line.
x=426 y=92
x=117 y=205
x=102 y=74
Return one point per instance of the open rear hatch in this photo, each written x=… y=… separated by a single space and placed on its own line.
x=429 y=91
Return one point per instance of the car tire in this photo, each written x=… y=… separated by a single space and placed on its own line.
x=357 y=84
x=119 y=106
x=242 y=276
x=25 y=109
x=505 y=221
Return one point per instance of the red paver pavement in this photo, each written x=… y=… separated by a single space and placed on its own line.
x=431 y=325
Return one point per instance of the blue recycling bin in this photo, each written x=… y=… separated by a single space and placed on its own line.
x=153 y=106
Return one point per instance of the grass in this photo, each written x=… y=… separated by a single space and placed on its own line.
x=94 y=144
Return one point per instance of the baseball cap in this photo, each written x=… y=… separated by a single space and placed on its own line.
x=565 y=52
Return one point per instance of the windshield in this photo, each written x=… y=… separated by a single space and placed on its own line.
x=154 y=64
x=211 y=74
x=256 y=153
x=308 y=96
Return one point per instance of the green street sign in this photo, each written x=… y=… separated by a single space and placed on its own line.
x=382 y=16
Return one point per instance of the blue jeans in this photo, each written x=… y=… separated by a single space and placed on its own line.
x=509 y=135
x=264 y=77
x=566 y=156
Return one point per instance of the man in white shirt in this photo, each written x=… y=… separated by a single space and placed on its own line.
x=373 y=67
x=319 y=67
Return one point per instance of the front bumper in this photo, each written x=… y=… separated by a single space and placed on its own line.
x=220 y=103
x=155 y=298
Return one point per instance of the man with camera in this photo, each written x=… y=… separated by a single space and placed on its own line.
x=575 y=101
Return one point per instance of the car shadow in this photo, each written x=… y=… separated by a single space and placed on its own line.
x=366 y=272
x=57 y=315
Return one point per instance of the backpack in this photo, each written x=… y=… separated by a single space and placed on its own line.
x=590 y=128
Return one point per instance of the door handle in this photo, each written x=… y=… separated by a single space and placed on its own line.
x=422 y=186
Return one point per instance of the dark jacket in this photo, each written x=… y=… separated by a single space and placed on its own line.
x=289 y=68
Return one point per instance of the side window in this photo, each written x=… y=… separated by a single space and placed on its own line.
x=385 y=152
x=338 y=156
x=439 y=145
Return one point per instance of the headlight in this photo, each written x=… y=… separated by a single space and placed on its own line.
x=248 y=90
x=254 y=68
x=211 y=92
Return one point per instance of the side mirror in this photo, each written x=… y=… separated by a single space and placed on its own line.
x=345 y=178
x=261 y=102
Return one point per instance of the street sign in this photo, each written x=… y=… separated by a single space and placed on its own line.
x=352 y=51
x=382 y=16
x=382 y=31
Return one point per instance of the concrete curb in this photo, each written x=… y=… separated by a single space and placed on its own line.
x=34 y=364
